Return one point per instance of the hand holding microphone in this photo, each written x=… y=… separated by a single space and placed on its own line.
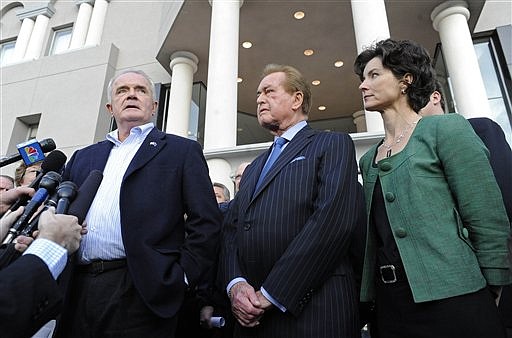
x=61 y=229
x=48 y=184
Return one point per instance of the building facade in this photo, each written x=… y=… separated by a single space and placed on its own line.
x=58 y=56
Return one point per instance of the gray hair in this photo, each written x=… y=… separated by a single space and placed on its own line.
x=140 y=72
x=225 y=190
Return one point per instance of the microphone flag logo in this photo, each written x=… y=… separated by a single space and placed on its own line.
x=31 y=152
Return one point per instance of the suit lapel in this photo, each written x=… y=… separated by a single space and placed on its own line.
x=152 y=145
x=299 y=141
x=99 y=161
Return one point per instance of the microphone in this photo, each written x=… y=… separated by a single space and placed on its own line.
x=66 y=192
x=60 y=200
x=85 y=196
x=30 y=151
x=48 y=184
x=53 y=162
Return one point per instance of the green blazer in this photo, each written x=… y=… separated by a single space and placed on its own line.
x=445 y=209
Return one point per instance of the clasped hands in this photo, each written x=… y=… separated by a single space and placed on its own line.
x=247 y=305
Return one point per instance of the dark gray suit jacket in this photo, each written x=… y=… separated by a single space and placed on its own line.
x=292 y=237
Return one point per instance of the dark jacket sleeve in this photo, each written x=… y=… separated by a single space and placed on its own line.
x=29 y=297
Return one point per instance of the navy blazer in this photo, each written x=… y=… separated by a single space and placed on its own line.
x=292 y=237
x=29 y=297
x=500 y=156
x=166 y=180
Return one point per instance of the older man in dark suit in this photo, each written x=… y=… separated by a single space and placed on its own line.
x=142 y=254
x=287 y=268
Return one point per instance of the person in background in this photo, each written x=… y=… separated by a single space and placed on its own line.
x=6 y=182
x=141 y=254
x=287 y=266
x=436 y=255
x=221 y=192
x=237 y=177
x=493 y=137
x=500 y=157
x=24 y=175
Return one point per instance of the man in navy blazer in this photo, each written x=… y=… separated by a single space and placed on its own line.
x=154 y=223
x=286 y=264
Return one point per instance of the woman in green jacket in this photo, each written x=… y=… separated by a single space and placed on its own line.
x=436 y=250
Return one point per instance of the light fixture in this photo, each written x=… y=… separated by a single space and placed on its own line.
x=239 y=129
x=239 y=79
x=338 y=64
x=315 y=82
x=308 y=52
x=247 y=44
x=299 y=15
x=322 y=108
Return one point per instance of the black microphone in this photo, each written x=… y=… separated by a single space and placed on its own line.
x=66 y=193
x=48 y=184
x=46 y=145
x=53 y=162
x=85 y=196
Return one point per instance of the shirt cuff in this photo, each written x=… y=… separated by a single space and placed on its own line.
x=233 y=282
x=52 y=254
x=272 y=300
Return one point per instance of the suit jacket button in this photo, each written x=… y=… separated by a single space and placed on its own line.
x=400 y=232
x=247 y=226
x=390 y=197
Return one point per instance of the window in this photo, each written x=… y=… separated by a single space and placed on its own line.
x=61 y=40
x=7 y=52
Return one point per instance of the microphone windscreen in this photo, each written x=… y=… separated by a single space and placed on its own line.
x=47 y=145
x=85 y=196
x=54 y=161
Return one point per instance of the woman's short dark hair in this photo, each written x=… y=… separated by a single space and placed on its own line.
x=402 y=57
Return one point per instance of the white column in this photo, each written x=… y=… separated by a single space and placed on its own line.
x=220 y=170
x=95 y=31
x=450 y=20
x=35 y=44
x=20 y=48
x=183 y=66
x=370 y=26
x=221 y=97
x=81 y=25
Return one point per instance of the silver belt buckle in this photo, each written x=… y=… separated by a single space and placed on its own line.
x=389 y=281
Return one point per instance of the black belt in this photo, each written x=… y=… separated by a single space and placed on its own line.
x=97 y=267
x=390 y=274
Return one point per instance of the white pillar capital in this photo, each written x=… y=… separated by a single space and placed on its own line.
x=33 y=12
x=187 y=58
x=241 y=2
x=446 y=9
x=89 y=2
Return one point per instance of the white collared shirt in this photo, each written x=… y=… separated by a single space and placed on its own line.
x=104 y=240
